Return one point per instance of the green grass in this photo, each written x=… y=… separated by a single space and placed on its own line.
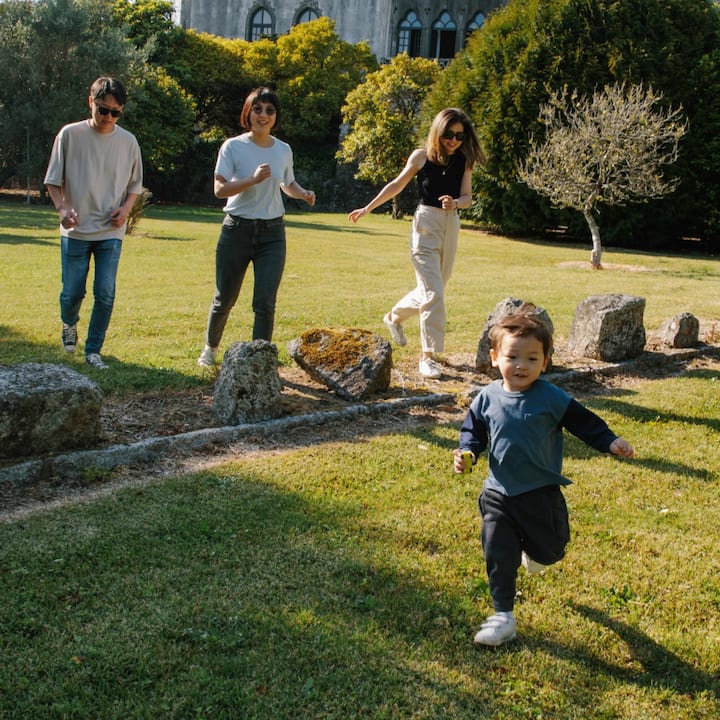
x=337 y=274
x=345 y=580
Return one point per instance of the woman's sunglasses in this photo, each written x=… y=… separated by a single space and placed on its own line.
x=449 y=135
x=108 y=111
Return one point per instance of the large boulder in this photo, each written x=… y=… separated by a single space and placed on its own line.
x=353 y=363
x=608 y=328
x=508 y=306
x=47 y=408
x=248 y=387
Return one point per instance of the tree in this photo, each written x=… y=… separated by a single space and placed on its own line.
x=50 y=53
x=162 y=117
x=214 y=72
x=608 y=149
x=382 y=114
x=528 y=50
x=149 y=24
x=315 y=72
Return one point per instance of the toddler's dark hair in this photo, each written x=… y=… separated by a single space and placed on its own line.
x=521 y=325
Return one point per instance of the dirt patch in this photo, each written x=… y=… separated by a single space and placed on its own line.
x=151 y=415
x=167 y=413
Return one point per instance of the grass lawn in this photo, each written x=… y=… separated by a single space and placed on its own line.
x=345 y=580
x=337 y=274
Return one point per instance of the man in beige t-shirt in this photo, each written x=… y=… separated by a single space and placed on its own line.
x=93 y=178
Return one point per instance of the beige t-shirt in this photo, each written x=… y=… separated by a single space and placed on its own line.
x=97 y=171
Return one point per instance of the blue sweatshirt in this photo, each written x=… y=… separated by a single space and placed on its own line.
x=524 y=433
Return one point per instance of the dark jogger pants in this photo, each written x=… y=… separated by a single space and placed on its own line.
x=536 y=522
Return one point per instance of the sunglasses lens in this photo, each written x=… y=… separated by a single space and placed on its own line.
x=449 y=135
x=108 y=111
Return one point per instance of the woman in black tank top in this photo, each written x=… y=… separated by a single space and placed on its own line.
x=444 y=172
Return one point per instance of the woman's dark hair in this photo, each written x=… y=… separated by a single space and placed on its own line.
x=256 y=96
x=108 y=86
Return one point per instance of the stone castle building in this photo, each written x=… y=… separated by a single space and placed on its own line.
x=421 y=28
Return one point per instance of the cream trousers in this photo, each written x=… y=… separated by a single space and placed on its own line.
x=433 y=245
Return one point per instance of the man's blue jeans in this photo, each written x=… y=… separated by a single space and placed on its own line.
x=75 y=257
x=243 y=241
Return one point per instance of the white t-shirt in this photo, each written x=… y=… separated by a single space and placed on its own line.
x=97 y=171
x=238 y=158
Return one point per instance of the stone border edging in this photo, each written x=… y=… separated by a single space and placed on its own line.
x=59 y=466
x=145 y=451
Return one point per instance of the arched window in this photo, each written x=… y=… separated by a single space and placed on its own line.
x=306 y=15
x=261 y=24
x=444 y=33
x=409 y=35
x=475 y=24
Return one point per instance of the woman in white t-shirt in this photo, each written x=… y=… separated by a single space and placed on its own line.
x=251 y=170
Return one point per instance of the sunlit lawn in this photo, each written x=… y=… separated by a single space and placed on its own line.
x=345 y=580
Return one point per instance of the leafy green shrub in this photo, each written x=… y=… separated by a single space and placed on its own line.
x=528 y=50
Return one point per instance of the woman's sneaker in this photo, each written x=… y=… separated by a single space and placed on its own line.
x=396 y=331
x=430 y=369
x=207 y=357
x=496 y=630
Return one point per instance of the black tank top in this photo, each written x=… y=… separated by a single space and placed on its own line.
x=436 y=180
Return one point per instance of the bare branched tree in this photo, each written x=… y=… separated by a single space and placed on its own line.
x=608 y=149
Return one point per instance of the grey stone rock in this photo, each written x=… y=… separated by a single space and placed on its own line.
x=45 y=408
x=508 y=306
x=682 y=331
x=608 y=328
x=353 y=363
x=248 y=387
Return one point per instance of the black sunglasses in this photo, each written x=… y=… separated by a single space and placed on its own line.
x=106 y=110
x=449 y=135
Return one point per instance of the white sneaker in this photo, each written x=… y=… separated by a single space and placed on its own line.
x=532 y=566
x=207 y=357
x=95 y=361
x=496 y=630
x=396 y=330
x=430 y=369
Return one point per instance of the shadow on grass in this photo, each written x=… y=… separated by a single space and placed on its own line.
x=6 y=239
x=644 y=414
x=122 y=377
x=244 y=592
x=661 y=668
x=223 y=593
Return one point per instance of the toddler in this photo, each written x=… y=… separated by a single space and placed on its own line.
x=520 y=419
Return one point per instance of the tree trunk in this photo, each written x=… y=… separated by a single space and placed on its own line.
x=596 y=252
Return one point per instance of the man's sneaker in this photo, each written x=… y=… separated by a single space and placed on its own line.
x=532 y=566
x=430 y=369
x=396 y=330
x=69 y=337
x=496 y=630
x=95 y=361
x=207 y=357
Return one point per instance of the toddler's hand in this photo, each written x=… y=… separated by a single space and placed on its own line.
x=622 y=447
x=459 y=461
